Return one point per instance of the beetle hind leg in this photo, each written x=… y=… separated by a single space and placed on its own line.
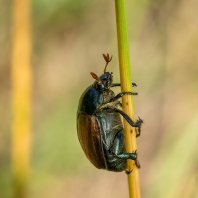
x=128 y=170
x=118 y=148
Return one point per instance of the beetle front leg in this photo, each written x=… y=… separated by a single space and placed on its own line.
x=118 y=84
x=118 y=96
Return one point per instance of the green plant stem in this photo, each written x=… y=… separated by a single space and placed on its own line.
x=127 y=102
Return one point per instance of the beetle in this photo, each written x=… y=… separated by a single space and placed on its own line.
x=99 y=124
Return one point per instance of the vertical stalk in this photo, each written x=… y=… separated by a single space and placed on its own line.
x=21 y=80
x=127 y=103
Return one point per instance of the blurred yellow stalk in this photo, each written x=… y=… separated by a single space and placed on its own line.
x=127 y=103
x=21 y=94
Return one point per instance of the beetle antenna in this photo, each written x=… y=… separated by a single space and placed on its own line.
x=95 y=76
x=107 y=59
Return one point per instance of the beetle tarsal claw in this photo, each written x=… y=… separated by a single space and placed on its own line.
x=137 y=163
x=128 y=170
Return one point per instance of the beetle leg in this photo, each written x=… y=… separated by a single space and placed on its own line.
x=137 y=163
x=138 y=131
x=138 y=123
x=126 y=156
x=118 y=84
x=128 y=170
x=118 y=143
x=119 y=104
x=118 y=147
x=111 y=109
x=107 y=136
x=118 y=96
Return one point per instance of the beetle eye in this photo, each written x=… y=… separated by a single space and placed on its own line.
x=108 y=83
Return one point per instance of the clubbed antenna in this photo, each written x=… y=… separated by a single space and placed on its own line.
x=107 y=59
x=95 y=76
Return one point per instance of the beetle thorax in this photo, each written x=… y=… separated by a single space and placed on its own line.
x=107 y=95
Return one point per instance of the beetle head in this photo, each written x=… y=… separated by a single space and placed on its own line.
x=105 y=80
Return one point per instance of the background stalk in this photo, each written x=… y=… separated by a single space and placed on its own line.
x=127 y=102
x=21 y=95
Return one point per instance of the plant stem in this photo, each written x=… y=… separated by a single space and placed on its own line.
x=21 y=76
x=127 y=102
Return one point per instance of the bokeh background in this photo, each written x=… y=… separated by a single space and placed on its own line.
x=69 y=38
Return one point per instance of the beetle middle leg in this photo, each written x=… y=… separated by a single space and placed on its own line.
x=111 y=109
x=138 y=131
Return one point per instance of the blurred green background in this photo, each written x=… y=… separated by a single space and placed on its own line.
x=69 y=38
